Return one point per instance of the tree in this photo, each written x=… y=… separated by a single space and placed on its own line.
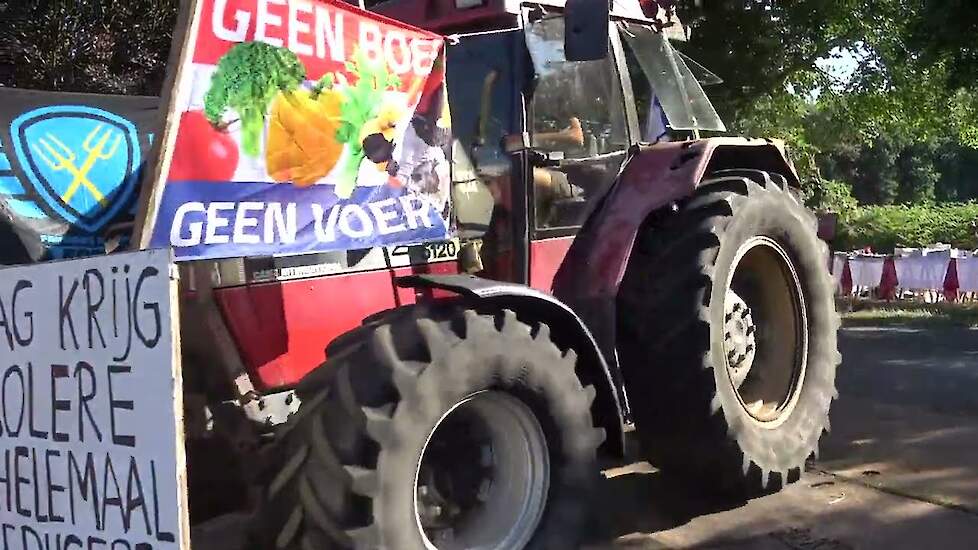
x=877 y=177
x=918 y=173
x=841 y=162
x=98 y=46
x=763 y=48
x=944 y=31
x=958 y=166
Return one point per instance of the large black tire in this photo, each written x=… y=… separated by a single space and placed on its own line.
x=690 y=416
x=343 y=468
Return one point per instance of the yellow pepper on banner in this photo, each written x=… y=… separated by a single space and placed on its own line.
x=302 y=145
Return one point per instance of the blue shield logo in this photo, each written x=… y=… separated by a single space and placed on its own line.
x=80 y=160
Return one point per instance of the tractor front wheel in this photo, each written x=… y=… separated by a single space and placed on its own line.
x=435 y=427
x=727 y=334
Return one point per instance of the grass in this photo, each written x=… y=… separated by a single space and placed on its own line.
x=873 y=313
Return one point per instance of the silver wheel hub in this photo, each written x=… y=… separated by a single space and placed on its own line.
x=483 y=477
x=739 y=343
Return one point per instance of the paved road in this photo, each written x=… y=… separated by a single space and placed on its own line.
x=899 y=470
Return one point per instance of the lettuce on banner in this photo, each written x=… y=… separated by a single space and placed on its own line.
x=301 y=127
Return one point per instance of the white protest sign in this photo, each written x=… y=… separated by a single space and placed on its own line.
x=91 y=434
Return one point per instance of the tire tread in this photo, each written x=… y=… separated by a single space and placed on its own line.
x=681 y=418
x=326 y=479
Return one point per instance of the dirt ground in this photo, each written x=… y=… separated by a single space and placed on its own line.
x=899 y=469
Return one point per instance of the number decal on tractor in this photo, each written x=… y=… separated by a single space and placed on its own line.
x=445 y=250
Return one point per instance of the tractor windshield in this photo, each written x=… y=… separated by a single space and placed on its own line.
x=670 y=79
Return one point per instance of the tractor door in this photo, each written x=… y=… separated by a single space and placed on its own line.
x=486 y=74
x=581 y=121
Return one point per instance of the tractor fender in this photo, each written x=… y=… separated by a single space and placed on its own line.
x=567 y=330
x=654 y=177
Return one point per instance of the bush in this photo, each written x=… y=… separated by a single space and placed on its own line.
x=831 y=196
x=885 y=227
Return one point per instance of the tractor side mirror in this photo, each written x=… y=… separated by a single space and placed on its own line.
x=586 y=30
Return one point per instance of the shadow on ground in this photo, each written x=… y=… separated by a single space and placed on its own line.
x=640 y=499
x=897 y=471
x=647 y=510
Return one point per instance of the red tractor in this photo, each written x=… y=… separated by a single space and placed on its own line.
x=612 y=269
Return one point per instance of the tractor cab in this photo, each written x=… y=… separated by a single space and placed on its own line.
x=539 y=136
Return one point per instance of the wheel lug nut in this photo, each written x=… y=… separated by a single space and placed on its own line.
x=423 y=491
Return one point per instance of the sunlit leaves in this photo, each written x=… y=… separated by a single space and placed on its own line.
x=106 y=46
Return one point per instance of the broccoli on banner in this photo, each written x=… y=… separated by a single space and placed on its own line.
x=248 y=77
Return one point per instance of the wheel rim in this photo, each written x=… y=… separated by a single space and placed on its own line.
x=483 y=476
x=765 y=331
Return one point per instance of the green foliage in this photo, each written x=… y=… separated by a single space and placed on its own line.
x=94 y=46
x=833 y=196
x=945 y=31
x=783 y=116
x=885 y=227
x=900 y=121
x=247 y=78
x=903 y=312
x=758 y=50
x=918 y=173
x=958 y=166
x=876 y=180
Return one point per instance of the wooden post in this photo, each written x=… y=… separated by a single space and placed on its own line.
x=154 y=178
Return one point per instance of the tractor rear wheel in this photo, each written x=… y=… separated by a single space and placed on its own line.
x=727 y=332
x=435 y=427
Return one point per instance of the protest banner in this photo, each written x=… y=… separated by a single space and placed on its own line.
x=299 y=126
x=69 y=168
x=91 y=407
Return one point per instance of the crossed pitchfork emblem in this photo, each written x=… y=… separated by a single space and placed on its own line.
x=60 y=157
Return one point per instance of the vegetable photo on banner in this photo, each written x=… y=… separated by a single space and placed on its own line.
x=364 y=116
x=341 y=121
x=248 y=78
x=302 y=144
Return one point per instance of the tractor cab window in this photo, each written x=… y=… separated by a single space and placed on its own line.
x=651 y=120
x=483 y=84
x=668 y=85
x=577 y=127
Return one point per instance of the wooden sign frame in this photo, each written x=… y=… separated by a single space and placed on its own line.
x=154 y=179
